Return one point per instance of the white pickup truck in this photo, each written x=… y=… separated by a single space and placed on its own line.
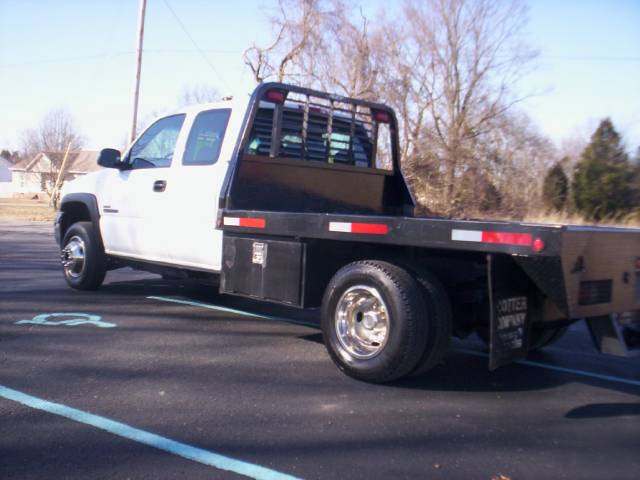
x=296 y=197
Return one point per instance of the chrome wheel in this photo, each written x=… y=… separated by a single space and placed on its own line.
x=73 y=257
x=362 y=321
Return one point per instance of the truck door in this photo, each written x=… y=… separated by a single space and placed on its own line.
x=193 y=240
x=134 y=201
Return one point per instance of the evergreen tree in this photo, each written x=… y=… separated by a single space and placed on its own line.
x=555 y=189
x=603 y=178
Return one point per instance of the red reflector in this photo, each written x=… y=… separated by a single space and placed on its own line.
x=507 y=238
x=276 y=96
x=382 y=117
x=375 y=228
x=538 y=245
x=253 y=222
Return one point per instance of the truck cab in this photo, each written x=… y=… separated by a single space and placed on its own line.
x=160 y=204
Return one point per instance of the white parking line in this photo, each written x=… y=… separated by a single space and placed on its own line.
x=189 y=452
x=573 y=371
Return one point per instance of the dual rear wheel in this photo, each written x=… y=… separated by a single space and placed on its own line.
x=380 y=323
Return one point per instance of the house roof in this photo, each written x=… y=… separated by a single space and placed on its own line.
x=21 y=165
x=83 y=161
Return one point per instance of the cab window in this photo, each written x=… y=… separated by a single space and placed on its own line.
x=205 y=138
x=155 y=148
x=340 y=146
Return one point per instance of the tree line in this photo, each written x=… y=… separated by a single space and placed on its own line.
x=450 y=69
x=603 y=185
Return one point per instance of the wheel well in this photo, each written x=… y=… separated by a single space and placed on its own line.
x=462 y=274
x=325 y=258
x=73 y=212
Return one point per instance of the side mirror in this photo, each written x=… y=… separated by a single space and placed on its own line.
x=109 y=158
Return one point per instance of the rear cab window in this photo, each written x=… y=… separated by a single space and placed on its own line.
x=328 y=133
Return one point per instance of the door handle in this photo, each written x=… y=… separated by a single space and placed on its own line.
x=159 y=185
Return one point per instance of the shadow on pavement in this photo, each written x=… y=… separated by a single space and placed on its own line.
x=601 y=410
x=459 y=372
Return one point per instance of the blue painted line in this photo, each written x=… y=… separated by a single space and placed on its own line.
x=232 y=310
x=141 y=436
x=573 y=371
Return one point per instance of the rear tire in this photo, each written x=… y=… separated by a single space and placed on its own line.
x=83 y=260
x=373 y=321
x=543 y=338
x=438 y=322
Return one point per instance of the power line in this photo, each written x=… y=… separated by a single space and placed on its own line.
x=182 y=50
x=197 y=47
x=67 y=60
x=99 y=56
x=592 y=58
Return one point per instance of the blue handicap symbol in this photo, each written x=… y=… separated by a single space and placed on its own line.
x=77 y=319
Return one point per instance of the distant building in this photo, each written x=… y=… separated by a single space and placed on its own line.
x=34 y=175
x=5 y=177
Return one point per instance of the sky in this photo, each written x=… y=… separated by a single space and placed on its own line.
x=80 y=55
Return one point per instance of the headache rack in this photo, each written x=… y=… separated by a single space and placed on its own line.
x=308 y=125
x=290 y=130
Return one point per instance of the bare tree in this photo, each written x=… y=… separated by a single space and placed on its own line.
x=328 y=44
x=448 y=67
x=54 y=135
x=258 y=59
x=458 y=61
x=298 y=25
x=198 y=93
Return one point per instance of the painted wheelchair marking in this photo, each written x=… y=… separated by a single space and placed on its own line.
x=78 y=319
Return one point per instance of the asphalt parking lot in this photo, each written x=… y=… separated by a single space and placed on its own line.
x=159 y=379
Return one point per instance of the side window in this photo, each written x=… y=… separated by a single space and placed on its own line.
x=154 y=149
x=205 y=138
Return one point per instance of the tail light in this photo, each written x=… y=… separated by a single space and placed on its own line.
x=276 y=96
x=382 y=117
x=538 y=245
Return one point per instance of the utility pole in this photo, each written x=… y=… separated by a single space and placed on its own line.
x=136 y=86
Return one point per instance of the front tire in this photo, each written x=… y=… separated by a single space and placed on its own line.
x=373 y=321
x=83 y=260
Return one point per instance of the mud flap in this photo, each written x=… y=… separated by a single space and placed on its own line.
x=513 y=305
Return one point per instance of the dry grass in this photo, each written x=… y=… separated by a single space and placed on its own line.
x=563 y=218
x=26 y=209
x=631 y=220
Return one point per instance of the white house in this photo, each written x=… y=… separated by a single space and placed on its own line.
x=5 y=177
x=37 y=175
